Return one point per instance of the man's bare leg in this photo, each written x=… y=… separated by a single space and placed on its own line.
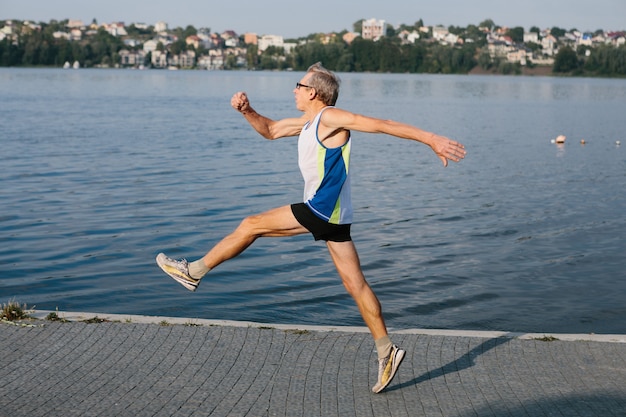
x=273 y=223
x=347 y=262
x=277 y=222
x=348 y=265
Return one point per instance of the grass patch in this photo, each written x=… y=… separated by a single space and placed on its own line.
x=95 y=320
x=546 y=339
x=13 y=311
x=296 y=331
x=53 y=316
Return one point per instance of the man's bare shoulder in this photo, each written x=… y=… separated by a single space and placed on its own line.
x=337 y=118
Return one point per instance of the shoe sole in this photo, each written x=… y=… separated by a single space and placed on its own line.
x=175 y=274
x=395 y=364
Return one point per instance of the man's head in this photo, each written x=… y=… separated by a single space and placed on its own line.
x=325 y=83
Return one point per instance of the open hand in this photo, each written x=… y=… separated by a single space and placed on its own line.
x=448 y=149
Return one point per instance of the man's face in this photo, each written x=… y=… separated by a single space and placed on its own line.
x=303 y=92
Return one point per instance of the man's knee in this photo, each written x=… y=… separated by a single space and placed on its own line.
x=249 y=225
x=356 y=286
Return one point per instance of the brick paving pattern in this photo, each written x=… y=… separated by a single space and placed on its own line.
x=137 y=369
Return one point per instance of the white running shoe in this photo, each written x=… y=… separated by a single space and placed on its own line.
x=179 y=270
x=387 y=368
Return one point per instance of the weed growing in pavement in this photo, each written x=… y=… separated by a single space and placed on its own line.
x=297 y=331
x=546 y=339
x=13 y=311
x=95 y=320
x=53 y=316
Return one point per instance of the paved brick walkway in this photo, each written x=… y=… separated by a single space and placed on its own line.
x=131 y=368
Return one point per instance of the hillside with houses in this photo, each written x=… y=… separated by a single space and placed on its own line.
x=373 y=45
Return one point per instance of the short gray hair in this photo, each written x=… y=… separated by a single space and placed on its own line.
x=325 y=82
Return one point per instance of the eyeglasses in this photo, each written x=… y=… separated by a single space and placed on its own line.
x=298 y=85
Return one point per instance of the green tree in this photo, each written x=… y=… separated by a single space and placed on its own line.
x=365 y=55
x=484 y=60
x=565 y=60
x=517 y=34
x=607 y=60
x=178 y=47
x=557 y=32
x=389 y=54
x=487 y=23
x=252 y=56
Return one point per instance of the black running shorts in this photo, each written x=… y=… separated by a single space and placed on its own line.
x=321 y=229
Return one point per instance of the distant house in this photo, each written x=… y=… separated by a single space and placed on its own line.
x=214 y=60
x=76 y=34
x=132 y=58
x=407 y=37
x=160 y=26
x=230 y=38
x=373 y=29
x=150 y=46
x=531 y=37
x=116 y=29
x=61 y=35
x=350 y=37
x=586 y=39
x=521 y=55
x=75 y=24
x=440 y=32
x=250 y=39
x=616 y=38
x=193 y=40
x=159 y=59
x=498 y=49
x=270 y=40
x=186 y=59
x=549 y=45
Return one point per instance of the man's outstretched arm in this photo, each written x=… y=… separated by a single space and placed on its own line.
x=266 y=127
x=446 y=149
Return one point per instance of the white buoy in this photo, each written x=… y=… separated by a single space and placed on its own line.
x=617 y=142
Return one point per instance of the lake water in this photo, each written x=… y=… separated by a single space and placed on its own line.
x=103 y=169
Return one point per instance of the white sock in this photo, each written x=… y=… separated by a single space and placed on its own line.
x=383 y=347
x=198 y=269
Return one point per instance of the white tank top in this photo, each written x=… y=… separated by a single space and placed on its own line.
x=326 y=175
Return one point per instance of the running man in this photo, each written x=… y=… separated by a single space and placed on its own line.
x=324 y=142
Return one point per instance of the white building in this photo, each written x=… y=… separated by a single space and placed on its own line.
x=131 y=58
x=409 y=37
x=531 y=37
x=440 y=33
x=266 y=41
x=160 y=26
x=150 y=46
x=373 y=29
x=548 y=45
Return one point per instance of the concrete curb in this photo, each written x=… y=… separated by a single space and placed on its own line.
x=129 y=318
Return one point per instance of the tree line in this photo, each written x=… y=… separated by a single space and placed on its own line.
x=388 y=54
x=40 y=48
x=385 y=55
